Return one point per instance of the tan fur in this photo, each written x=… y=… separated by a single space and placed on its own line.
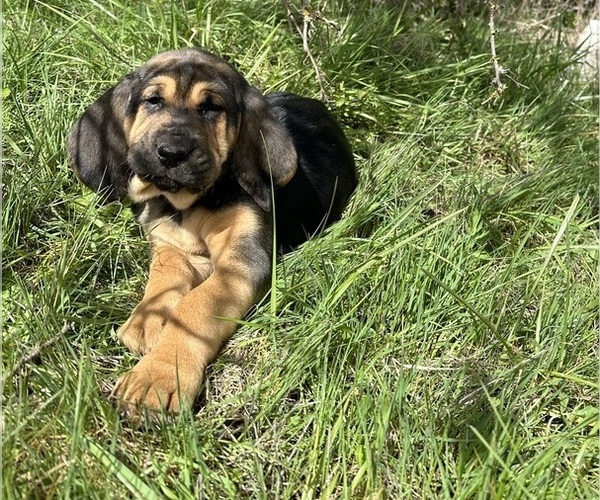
x=162 y=85
x=222 y=144
x=198 y=94
x=196 y=283
x=142 y=124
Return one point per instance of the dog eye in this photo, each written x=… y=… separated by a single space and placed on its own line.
x=210 y=108
x=153 y=101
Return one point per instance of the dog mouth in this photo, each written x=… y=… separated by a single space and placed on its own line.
x=192 y=178
x=164 y=183
x=169 y=185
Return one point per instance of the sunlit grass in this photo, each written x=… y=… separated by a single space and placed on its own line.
x=440 y=341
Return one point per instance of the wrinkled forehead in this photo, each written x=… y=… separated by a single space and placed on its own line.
x=188 y=68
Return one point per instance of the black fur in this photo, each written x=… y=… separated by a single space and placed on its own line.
x=326 y=175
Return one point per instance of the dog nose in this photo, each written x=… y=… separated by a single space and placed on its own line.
x=172 y=152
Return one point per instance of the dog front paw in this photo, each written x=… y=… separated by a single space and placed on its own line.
x=141 y=332
x=158 y=382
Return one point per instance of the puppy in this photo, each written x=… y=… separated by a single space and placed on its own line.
x=208 y=163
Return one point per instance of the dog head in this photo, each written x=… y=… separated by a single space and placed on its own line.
x=174 y=127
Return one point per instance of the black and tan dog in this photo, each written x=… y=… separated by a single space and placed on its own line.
x=198 y=151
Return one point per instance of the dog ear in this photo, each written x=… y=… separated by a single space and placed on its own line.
x=264 y=151
x=97 y=144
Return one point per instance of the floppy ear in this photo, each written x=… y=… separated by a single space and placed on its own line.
x=97 y=146
x=264 y=150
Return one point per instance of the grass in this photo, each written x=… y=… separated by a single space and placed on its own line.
x=439 y=342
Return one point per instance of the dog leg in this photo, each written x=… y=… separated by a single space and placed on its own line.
x=172 y=275
x=170 y=375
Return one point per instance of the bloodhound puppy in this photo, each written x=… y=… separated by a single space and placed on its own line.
x=208 y=163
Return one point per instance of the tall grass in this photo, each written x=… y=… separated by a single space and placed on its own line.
x=439 y=342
